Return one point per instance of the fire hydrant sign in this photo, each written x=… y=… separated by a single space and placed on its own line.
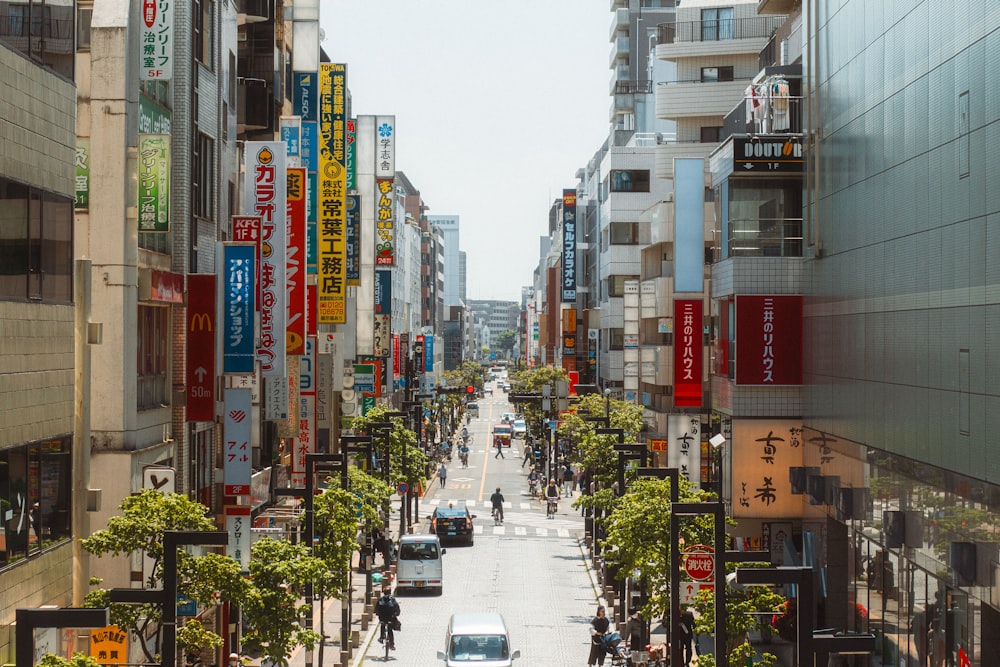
x=699 y=563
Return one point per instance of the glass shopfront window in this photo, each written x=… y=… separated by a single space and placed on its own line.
x=34 y=497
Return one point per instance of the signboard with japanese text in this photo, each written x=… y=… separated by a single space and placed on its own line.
x=385 y=147
x=238 y=308
x=295 y=262
x=418 y=353
x=428 y=357
x=309 y=146
x=156 y=40
x=305 y=440
x=236 y=452
x=238 y=525
x=385 y=225
x=395 y=357
x=200 y=345
x=353 y=240
x=109 y=645
x=688 y=353
x=383 y=292
x=684 y=445
x=154 y=182
x=264 y=195
x=276 y=399
x=763 y=451
x=304 y=95
x=351 y=149
x=381 y=372
x=81 y=181
x=365 y=378
x=331 y=211
x=291 y=136
x=569 y=246
x=382 y=335
x=324 y=369
x=768 y=340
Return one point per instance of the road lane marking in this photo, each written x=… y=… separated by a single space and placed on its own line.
x=518 y=530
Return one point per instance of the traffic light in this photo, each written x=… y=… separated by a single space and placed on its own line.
x=451 y=390
x=470 y=390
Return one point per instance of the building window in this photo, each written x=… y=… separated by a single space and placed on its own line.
x=35 y=496
x=630 y=180
x=714 y=74
x=616 y=285
x=624 y=233
x=151 y=389
x=83 y=18
x=203 y=176
x=711 y=135
x=204 y=24
x=717 y=24
x=616 y=339
x=36 y=244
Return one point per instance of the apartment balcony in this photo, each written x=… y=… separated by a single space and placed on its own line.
x=697 y=99
x=691 y=39
x=668 y=150
x=775 y=6
x=764 y=237
x=619 y=21
x=625 y=93
x=254 y=11
x=255 y=105
x=619 y=50
x=768 y=115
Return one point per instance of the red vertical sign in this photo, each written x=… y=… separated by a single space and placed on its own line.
x=688 y=353
x=295 y=261
x=395 y=356
x=201 y=348
x=769 y=340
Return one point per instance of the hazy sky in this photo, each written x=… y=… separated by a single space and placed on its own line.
x=497 y=105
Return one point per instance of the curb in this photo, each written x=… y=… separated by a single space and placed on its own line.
x=598 y=594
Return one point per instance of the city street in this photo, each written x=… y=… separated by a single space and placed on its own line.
x=530 y=569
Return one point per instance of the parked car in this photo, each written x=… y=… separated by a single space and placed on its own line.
x=453 y=523
x=519 y=428
x=503 y=432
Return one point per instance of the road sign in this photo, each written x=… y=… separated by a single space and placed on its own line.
x=402 y=488
x=699 y=563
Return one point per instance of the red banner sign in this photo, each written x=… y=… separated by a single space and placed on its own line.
x=769 y=340
x=395 y=356
x=166 y=287
x=295 y=261
x=688 y=353
x=201 y=348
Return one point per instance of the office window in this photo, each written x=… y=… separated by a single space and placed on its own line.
x=711 y=135
x=624 y=233
x=713 y=74
x=203 y=176
x=36 y=244
x=616 y=285
x=83 y=18
x=630 y=180
x=204 y=30
x=717 y=24
x=151 y=388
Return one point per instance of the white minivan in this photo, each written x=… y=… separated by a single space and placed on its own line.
x=477 y=638
x=418 y=563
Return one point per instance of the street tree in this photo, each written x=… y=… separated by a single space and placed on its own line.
x=206 y=579
x=746 y=610
x=78 y=660
x=399 y=437
x=505 y=341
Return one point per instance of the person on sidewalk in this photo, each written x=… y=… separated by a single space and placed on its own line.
x=598 y=628
x=529 y=453
x=443 y=473
x=568 y=481
x=687 y=633
x=499 y=445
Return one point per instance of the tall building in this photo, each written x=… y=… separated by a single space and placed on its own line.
x=453 y=287
x=37 y=310
x=462 y=277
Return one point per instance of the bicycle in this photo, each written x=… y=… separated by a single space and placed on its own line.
x=497 y=516
x=387 y=637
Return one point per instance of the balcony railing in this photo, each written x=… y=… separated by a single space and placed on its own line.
x=765 y=115
x=633 y=87
x=765 y=237
x=757 y=27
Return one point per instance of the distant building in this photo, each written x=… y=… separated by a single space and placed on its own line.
x=449 y=227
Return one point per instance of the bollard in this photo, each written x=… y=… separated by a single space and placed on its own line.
x=345 y=659
x=355 y=638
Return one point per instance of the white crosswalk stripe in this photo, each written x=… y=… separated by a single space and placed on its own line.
x=520 y=530
x=542 y=532
x=499 y=530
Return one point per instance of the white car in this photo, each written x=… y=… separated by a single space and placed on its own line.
x=520 y=428
x=507 y=417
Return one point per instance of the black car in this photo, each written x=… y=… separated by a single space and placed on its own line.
x=453 y=523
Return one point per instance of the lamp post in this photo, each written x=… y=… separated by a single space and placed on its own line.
x=406 y=476
x=625 y=451
x=808 y=643
x=385 y=430
x=416 y=407
x=29 y=619
x=717 y=441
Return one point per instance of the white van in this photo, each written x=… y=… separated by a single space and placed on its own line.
x=418 y=563
x=479 y=638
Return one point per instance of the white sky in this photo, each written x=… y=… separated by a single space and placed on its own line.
x=497 y=105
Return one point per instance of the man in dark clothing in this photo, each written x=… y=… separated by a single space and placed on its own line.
x=598 y=628
x=387 y=610
x=687 y=633
x=497 y=501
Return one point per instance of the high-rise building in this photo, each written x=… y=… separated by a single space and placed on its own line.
x=462 y=275
x=449 y=226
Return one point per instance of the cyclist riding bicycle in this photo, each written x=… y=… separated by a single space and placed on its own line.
x=551 y=498
x=497 y=500
x=387 y=610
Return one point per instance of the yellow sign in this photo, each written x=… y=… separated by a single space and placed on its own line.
x=109 y=646
x=331 y=230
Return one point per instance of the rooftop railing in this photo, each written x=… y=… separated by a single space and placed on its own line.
x=718 y=30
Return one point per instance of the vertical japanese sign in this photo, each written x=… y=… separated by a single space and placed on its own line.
x=81 y=181
x=331 y=205
x=156 y=40
x=264 y=191
x=684 y=445
x=238 y=524
x=237 y=308
x=295 y=262
x=769 y=340
x=246 y=229
x=291 y=136
x=304 y=95
x=353 y=240
x=200 y=342
x=383 y=312
x=428 y=354
x=385 y=174
x=418 y=353
x=569 y=246
x=687 y=353
x=236 y=456
x=395 y=357
x=305 y=440
x=154 y=182
x=350 y=156
x=763 y=452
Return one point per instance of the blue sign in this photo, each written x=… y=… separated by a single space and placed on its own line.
x=238 y=291
x=309 y=145
x=304 y=88
x=353 y=269
x=428 y=354
x=383 y=292
x=291 y=135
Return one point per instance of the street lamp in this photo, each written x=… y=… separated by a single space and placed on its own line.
x=717 y=441
x=406 y=477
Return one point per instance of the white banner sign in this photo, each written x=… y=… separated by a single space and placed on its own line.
x=236 y=450
x=156 y=40
x=238 y=525
x=684 y=445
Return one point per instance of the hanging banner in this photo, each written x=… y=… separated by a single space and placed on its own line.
x=331 y=255
x=385 y=226
x=304 y=95
x=569 y=246
x=395 y=357
x=236 y=453
x=295 y=262
x=687 y=353
x=264 y=191
x=291 y=136
x=156 y=40
x=238 y=524
x=684 y=446
x=238 y=308
x=428 y=354
x=353 y=240
x=154 y=182
x=769 y=340
x=200 y=346
x=82 y=178
x=350 y=154
x=305 y=440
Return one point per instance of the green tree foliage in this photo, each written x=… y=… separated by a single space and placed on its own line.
x=505 y=340
x=273 y=609
x=335 y=522
x=78 y=660
x=745 y=611
x=532 y=381
x=593 y=452
x=399 y=437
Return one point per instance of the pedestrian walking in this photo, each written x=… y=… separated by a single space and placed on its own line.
x=443 y=474
x=598 y=627
x=687 y=633
x=498 y=443
x=568 y=481
x=529 y=452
